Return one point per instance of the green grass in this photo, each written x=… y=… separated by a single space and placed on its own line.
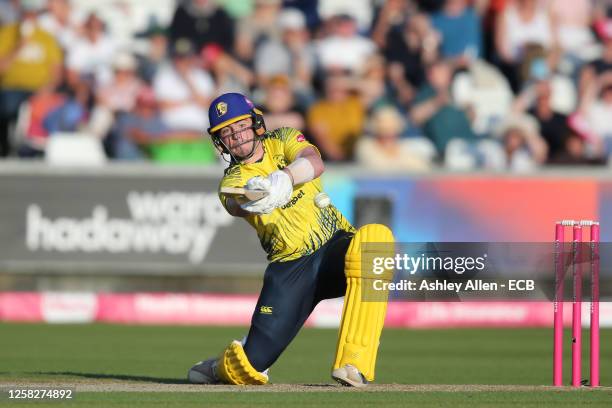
x=53 y=353
x=322 y=399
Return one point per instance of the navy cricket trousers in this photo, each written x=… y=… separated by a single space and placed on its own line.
x=290 y=292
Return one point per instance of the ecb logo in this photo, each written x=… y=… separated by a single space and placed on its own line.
x=221 y=108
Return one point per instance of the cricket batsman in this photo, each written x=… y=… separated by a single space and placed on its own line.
x=314 y=252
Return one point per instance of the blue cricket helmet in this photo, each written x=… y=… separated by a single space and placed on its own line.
x=230 y=108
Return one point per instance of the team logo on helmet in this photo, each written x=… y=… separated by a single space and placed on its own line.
x=221 y=108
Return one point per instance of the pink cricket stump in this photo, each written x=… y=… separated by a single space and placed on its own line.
x=558 y=306
x=576 y=307
x=594 y=363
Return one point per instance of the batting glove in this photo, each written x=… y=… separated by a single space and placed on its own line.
x=258 y=183
x=261 y=206
x=279 y=188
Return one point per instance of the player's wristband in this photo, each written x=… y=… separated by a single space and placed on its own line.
x=301 y=170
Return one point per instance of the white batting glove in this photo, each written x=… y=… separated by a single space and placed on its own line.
x=279 y=187
x=261 y=206
x=258 y=183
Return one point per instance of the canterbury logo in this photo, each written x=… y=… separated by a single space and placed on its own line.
x=221 y=108
x=265 y=310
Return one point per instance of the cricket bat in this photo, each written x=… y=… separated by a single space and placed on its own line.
x=251 y=195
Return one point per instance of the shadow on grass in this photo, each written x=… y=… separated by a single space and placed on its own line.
x=120 y=377
x=123 y=377
x=320 y=385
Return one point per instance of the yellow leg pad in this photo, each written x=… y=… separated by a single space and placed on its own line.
x=362 y=322
x=234 y=367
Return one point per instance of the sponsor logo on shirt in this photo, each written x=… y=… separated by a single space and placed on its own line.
x=294 y=200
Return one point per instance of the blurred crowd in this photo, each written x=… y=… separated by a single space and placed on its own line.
x=396 y=84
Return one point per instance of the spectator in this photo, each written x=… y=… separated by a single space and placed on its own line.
x=139 y=128
x=391 y=18
x=310 y=9
x=72 y=114
x=384 y=150
x=292 y=54
x=483 y=90
x=213 y=35
x=522 y=23
x=119 y=95
x=359 y=10
x=115 y=98
x=336 y=121
x=155 y=52
x=537 y=67
x=45 y=114
x=31 y=130
x=573 y=20
x=408 y=52
x=371 y=83
x=183 y=90
x=344 y=48
x=30 y=62
x=601 y=65
x=459 y=26
x=141 y=133
x=435 y=112
x=258 y=27
x=90 y=57
x=230 y=74
x=574 y=152
x=203 y=22
x=537 y=101
x=596 y=112
x=61 y=21
x=524 y=148
x=279 y=106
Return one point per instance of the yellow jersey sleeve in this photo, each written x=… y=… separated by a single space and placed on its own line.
x=232 y=178
x=293 y=142
x=235 y=176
